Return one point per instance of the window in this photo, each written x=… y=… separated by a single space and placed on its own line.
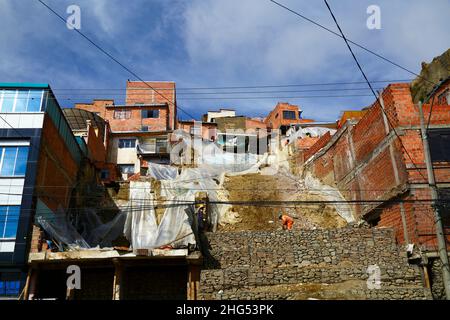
x=439 y=144
x=21 y=100
x=104 y=174
x=150 y=114
x=126 y=168
x=122 y=114
x=444 y=206
x=300 y=114
x=127 y=143
x=9 y=218
x=13 y=161
x=9 y=284
x=161 y=145
x=443 y=98
x=288 y=114
x=144 y=128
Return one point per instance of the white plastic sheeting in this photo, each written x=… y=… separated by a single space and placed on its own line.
x=162 y=172
x=82 y=229
x=308 y=131
x=210 y=153
x=330 y=194
x=141 y=227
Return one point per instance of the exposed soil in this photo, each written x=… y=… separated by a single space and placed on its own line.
x=278 y=187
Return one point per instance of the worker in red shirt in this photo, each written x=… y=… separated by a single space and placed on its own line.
x=286 y=221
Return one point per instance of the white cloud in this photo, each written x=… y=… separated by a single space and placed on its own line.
x=219 y=43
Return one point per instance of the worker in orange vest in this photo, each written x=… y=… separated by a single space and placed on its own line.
x=286 y=221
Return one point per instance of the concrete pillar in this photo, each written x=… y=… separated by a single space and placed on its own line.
x=193 y=282
x=117 y=282
x=31 y=285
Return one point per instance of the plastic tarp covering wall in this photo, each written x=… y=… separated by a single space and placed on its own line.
x=209 y=153
x=309 y=131
x=330 y=194
x=161 y=172
x=81 y=229
x=141 y=227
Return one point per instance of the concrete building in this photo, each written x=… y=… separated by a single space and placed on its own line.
x=212 y=115
x=140 y=128
x=237 y=132
x=207 y=130
x=39 y=168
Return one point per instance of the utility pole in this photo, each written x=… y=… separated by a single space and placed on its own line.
x=442 y=246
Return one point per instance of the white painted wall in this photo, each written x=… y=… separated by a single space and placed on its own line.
x=220 y=114
x=124 y=155
x=22 y=120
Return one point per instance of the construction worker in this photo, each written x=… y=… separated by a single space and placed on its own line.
x=286 y=221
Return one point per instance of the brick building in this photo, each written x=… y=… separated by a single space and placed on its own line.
x=95 y=132
x=367 y=162
x=207 y=130
x=283 y=116
x=141 y=127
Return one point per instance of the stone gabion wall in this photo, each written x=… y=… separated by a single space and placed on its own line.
x=437 y=282
x=243 y=265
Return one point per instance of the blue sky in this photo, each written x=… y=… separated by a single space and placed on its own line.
x=216 y=43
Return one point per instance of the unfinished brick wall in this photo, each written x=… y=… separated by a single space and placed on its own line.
x=367 y=161
x=275 y=118
x=57 y=170
x=164 y=93
x=303 y=264
x=163 y=99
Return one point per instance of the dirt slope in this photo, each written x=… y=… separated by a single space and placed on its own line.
x=279 y=187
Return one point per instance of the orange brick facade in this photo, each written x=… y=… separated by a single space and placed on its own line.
x=275 y=119
x=366 y=161
x=57 y=170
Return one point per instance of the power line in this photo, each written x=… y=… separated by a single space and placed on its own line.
x=127 y=94
x=112 y=57
x=352 y=42
x=371 y=88
x=238 y=87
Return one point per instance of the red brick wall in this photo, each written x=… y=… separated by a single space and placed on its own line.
x=57 y=170
x=275 y=118
x=95 y=146
x=320 y=143
x=209 y=130
x=139 y=92
x=372 y=177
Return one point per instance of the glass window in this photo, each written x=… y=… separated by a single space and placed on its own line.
x=8 y=161
x=127 y=143
x=34 y=101
x=21 y=101
x=8 y=100
x=9 y=219
x=9 y=284
x=104 y=174
x=439 y=140
x=21 y=161
x=122 y=114
x=288 y=114
x=13 y=161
